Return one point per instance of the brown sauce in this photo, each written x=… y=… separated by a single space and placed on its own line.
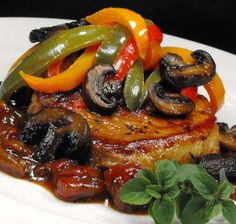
x=16 y=159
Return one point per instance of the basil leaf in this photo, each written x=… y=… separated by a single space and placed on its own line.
x=186 y=171
x=225 y=190
x=205 y=185
x=229 y=211
x=149 y=175
x=171 y=192
x=166 y=173
x=154 y=190
x=133 y=192
x=194 y=212
x=223 y=177
x=163 y=211
x=181 y=201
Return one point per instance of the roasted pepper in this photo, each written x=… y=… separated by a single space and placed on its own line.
x=153 y=78
x=55 y=68
x=125 y=60
x=155 y=38
x=111 y=46
x=134 y=84
x=66 y=80
x=190 y=92
x=22 y=57
x=127 y=18
x=215 y=88
x=56 y=47
x=216 y=92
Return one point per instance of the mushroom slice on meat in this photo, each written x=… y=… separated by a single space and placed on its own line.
x=57 y=133
x=172 y=104
x=227 y=136
x=174 y=70
x=99 y=93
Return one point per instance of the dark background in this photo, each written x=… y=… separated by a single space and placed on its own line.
x=211 y=22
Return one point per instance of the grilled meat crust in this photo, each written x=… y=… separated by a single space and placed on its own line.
x=142 y=137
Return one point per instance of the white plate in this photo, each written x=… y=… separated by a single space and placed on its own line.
x=24 y=202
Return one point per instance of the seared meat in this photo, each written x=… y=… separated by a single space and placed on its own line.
x=70 y=181
x=15 y=157
x=141 y=137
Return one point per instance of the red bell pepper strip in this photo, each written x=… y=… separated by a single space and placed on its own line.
x=154 y=33
x=190 y=92
x=125 y=60
x=55 y=68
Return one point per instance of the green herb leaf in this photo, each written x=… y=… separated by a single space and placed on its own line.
x=194 y=212
x=181 y=201
x=213 y=209
x=225 y=190
x=186 y=171
x=150 y=212
x=133 y=192
x=205 y=185
x=163 y=211
x=166 y=173
x=154 y=190
x=223 y=177
x=148 y=174
x=229 y=211
x=171 y=192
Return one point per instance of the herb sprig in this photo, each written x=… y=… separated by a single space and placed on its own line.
x=185 y=190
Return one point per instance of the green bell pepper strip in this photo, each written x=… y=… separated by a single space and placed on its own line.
x=134 y=84
x=56 y=47
x=111 y=46
x=153 y=78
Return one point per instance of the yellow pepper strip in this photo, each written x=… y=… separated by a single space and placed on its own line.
x=216 y=91
x=66 y=80
x=20 y=59
x=132 y=20
x=215 y=88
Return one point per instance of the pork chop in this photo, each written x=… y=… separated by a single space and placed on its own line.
x=141 y=137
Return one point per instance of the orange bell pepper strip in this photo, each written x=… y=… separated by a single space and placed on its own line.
x=132 y=20
x=183 y=52
x=155 y=38
x=66 y=80
x=215 y=88
x=216 y=92
x=152 y=56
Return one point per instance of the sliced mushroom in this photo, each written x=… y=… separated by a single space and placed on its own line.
x=41 y=34
x=100 y=94
x=172 y=104
x=181 y=75
x=213 y=163
x=227 y=136
x=58 y=133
